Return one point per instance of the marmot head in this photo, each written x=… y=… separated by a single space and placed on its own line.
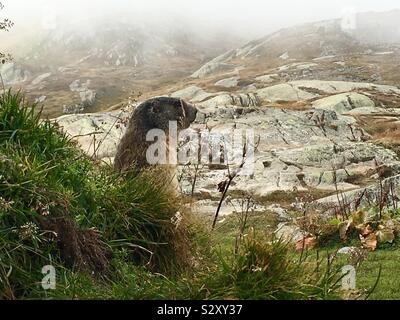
x=157 y=112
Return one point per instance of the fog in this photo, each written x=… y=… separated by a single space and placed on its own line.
x=246 y=18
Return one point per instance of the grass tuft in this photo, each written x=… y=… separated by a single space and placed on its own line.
x=58 y=207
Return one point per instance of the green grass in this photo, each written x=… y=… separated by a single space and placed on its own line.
x=386 y=257
x=59 y=207
x=367 y=274
x=388 y=287
x=113 y=236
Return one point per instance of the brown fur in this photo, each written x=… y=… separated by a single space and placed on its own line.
x=151 y=114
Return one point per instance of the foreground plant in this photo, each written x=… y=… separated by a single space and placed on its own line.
x=269 y=270
x=57 y=207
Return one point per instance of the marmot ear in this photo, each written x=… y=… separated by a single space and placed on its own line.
x=156 y=107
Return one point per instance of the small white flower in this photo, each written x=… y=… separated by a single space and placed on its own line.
x=5 y=205
x=28 y=230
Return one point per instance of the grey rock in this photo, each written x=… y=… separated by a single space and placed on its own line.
x=289 y=232
x=192 y=93
x=13 y=74
x=345 y=102
x=218 y=64
x=87 y=96
x=365 y=197
x=228 y=82
x=40 y=78
x=282 y=214
x=315 y=149
x=97 y=134
x=268 y=78
x=334 y=87
x=40 y=99
x=283 y=92
x=211 y=67
x=347 y=250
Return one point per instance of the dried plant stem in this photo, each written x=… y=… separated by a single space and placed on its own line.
x=196 y=170
x=243 y=223
x=225 y=191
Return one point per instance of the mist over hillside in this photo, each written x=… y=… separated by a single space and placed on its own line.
x=114 y=58
x=86 y=65
x=377 y=27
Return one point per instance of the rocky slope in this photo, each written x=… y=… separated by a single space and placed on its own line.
x=327 y=50
x=309 y=138
x=323 y=104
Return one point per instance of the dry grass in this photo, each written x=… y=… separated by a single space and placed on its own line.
x=384 y=130
x=113 y=85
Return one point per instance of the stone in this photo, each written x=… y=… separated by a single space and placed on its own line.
x=218 y=64
x=323 y=58
x=13 y=74
x=268 y=78
x=97 y=134
x=233 y=206
x=211 y=67
x=284 y=56
x=305 y=66
x=283 y=92
x=289 y=232
x=334 y=87
x=297 y=150
x=370 y=111
x=343 y=103
x=224 y=100
x=40 y=99
x=87 y=96
x=363 y=197
x=40 y=78
x=347 y=250
x=228 y=82
x=282 y=214
x=192 y=93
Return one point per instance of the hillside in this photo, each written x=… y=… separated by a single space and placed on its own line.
x=325 y=107
x=321 y=192
x=314 y=51
x=90 y=67
x=304 y=90
x=119 y=236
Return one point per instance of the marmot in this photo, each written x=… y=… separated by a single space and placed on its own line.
x=152 y=114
